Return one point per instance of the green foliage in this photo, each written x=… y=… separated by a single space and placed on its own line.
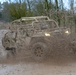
x=39 y=9
x=5 y=12
x=55 y=10
x=15 y=10
x=42 y=7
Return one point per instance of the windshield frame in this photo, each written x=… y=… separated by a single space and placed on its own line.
x=33 y=24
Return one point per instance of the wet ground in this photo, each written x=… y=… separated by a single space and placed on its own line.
x=54 y=65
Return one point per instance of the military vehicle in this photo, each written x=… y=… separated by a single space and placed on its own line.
x=38 y=35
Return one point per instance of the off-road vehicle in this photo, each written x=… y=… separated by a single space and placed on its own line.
x=37 y=35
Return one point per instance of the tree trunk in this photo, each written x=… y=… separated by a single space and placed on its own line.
x=50 y=4
x=57 y=8
x=20 y=1
x=72 y=6
x=29 y=5
x=62 y=5
x=47 y=7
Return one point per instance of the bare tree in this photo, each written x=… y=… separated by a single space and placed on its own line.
x=28 y=2
x=47 y=7
x=20 y=1
x=62 y=5
x=57 y=8
x=72 y=6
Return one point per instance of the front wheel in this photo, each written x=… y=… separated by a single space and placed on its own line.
x=39 y=51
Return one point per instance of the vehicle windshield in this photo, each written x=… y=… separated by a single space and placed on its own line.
x=45 y=25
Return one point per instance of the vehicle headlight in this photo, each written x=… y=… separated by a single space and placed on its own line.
x=67 y=32
x=47 y=34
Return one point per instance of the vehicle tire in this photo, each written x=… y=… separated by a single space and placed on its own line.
x=11 y=53
x=73 y=46
x=39 y=51
x=5 y=42
x=8 y=40
x=9 y=44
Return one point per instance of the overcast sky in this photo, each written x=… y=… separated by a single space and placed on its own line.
x=65 y=2
x=2 y=1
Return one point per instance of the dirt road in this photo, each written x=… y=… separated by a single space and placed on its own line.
x=59 y=65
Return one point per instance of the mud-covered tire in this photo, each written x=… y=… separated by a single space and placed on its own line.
x=73 y=46
x=8 y=41
x=39 y=51
x=11 y=53
x=5 y=44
